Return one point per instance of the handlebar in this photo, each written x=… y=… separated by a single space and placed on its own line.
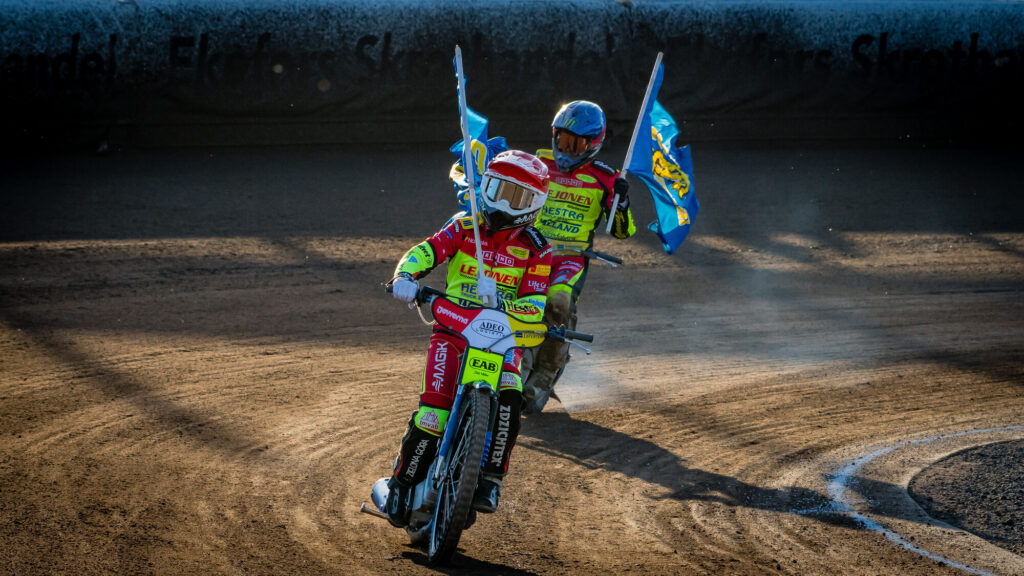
x=424 y=295
x=612 y=261
x=571 y=334
x=427 y=294
x=603 y=256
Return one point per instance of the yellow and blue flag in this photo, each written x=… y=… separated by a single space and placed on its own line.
x=482 y=150
x=667 y=170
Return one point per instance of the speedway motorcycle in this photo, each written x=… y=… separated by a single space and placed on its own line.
x=439 y=507
x=535 y=394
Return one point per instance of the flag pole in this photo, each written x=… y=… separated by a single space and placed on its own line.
x=467 y=163
x=632 y=142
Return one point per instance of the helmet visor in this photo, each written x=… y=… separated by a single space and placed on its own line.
x=571 y=144
x=518 y=197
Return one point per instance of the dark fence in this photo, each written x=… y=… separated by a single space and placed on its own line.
x=262 y=71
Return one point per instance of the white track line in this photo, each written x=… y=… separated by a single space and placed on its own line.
x=838 y=489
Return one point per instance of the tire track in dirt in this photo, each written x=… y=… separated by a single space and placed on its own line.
x=760 y=474
x=222 y=402
x=891 y=511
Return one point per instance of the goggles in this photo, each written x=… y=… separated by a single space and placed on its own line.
x=518 y=197
x=572 y=144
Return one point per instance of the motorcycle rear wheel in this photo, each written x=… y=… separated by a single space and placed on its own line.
x=455 y=495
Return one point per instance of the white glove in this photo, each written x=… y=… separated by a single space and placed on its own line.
x=404 y=289
x=487 y=291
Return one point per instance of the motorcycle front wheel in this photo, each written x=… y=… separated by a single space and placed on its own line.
x=458 y=482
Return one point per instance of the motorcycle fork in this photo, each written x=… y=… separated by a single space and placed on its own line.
x=490 y=427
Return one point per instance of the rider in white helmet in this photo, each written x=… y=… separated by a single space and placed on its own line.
x=516 y=264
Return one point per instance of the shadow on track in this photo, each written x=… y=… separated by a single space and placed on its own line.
x=465 y=565
x=116 y=381
x=599 y=448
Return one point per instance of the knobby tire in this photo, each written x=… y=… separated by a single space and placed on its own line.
x=459 y=481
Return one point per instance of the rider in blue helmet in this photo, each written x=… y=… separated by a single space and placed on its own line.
x=581 y=193
x=577 y=133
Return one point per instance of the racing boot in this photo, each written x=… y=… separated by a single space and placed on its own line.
x=411 y=466
x=396 y=506
x=488 y=491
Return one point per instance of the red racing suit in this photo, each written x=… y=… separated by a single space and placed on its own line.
x=519 y=260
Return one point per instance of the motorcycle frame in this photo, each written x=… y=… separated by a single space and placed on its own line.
x=423 y=499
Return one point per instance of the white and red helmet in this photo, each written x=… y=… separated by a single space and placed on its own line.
x=513 y=190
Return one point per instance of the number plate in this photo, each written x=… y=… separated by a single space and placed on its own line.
x=482 y=366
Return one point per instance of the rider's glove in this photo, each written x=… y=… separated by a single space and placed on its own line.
x=487 y=291
x=404 y=288
x=622 y=189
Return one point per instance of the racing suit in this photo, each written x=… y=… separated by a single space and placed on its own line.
x=576 y=203
x=519 y=260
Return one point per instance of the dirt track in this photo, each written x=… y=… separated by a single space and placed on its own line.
x=200 y=373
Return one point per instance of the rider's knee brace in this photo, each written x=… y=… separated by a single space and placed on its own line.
x=558 y=309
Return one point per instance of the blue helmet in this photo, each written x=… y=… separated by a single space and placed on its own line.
x=577 y=133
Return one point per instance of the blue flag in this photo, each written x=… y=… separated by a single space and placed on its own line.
x=666 y=170
x=482 y=150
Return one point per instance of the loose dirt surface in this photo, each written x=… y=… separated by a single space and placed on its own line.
x=980 y=490
x=201 y=373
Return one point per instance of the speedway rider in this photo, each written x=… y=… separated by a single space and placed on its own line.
x=517 y=261
x=581 y=192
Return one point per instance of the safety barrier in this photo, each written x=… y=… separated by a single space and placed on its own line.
x=234 y=71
